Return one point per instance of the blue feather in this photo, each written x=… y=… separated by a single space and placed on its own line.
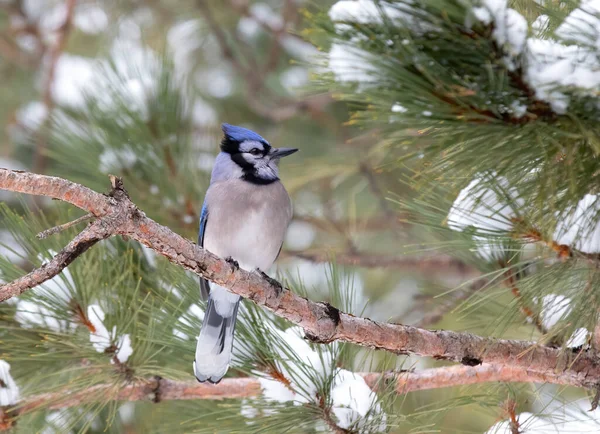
x=240 y=134
x=204 y=286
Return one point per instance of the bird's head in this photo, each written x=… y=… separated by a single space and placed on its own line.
x=256 y=159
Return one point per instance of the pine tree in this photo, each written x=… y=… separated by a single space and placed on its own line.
x=451 y=185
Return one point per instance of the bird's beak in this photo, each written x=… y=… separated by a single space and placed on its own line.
x=282 y=152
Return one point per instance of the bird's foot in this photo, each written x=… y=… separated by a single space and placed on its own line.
x=233 y=262
x=272 y=281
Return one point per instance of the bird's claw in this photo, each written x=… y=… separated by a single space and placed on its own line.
x=232 y=261
x=272 y=281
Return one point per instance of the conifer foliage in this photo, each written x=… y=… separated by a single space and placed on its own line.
x=448 y=179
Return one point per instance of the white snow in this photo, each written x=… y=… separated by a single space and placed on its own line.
x=578 y=338
x=127 y=413
x=361 y=11
x=90 y=18
x=528 y=424
x=351 y=64
x=486 y=209
x=353 y=400
x=203 y=114
x=540 y=25
x=573 y=418
x=102 y=339
x=580 y=228
x=273 y=390
x=9 y=391
x=248 y=27
x=398 y=108
x=247 y=410
x=184 y=39
x=510 y=27
x=482 y=208
x=32 y=115
x=73 y=79
x=263 y=13
x=551 y=65
x=298 y=48
x=294 y=78
x=124 y=348
x=78 y=78
x=554 y=308
x=582 y=25
x=371 y=12
x=27 y=42
x=215 y=81
x=33 y=314
x=518 y=109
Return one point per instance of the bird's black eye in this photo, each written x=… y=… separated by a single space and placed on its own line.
x=255 y=151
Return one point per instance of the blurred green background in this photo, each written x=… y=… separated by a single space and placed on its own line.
x=138 y=89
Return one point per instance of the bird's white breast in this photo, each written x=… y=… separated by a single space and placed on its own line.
x=247 y=221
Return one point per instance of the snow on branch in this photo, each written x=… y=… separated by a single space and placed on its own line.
x=117 y=215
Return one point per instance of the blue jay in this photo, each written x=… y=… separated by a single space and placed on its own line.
x=245 y=215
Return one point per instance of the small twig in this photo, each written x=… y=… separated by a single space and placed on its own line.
x=57 y=229
x=81 y=243
x=510 y=407
x=39 y=162
x=511 y=282
x=376 y=190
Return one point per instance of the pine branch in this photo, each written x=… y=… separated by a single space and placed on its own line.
x=322 y=322
x=54 y=54
x=438 y=264
x=58 y=229
x=80 y=244
x=157 y=389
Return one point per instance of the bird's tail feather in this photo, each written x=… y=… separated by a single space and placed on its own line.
x=215 y=343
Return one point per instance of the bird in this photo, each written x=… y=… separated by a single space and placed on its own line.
x=244 y=218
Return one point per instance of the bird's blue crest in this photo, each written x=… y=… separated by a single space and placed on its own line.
x=240 y=134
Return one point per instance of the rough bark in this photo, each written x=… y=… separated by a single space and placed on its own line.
x=158 y=389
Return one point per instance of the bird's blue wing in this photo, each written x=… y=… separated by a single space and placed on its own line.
x=204 y=287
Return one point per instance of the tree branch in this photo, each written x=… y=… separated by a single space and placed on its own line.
x=158 y=389
x=322 y=322
x=55 y=51
x=436 y=264
x=58 y=229
x=81 y=243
